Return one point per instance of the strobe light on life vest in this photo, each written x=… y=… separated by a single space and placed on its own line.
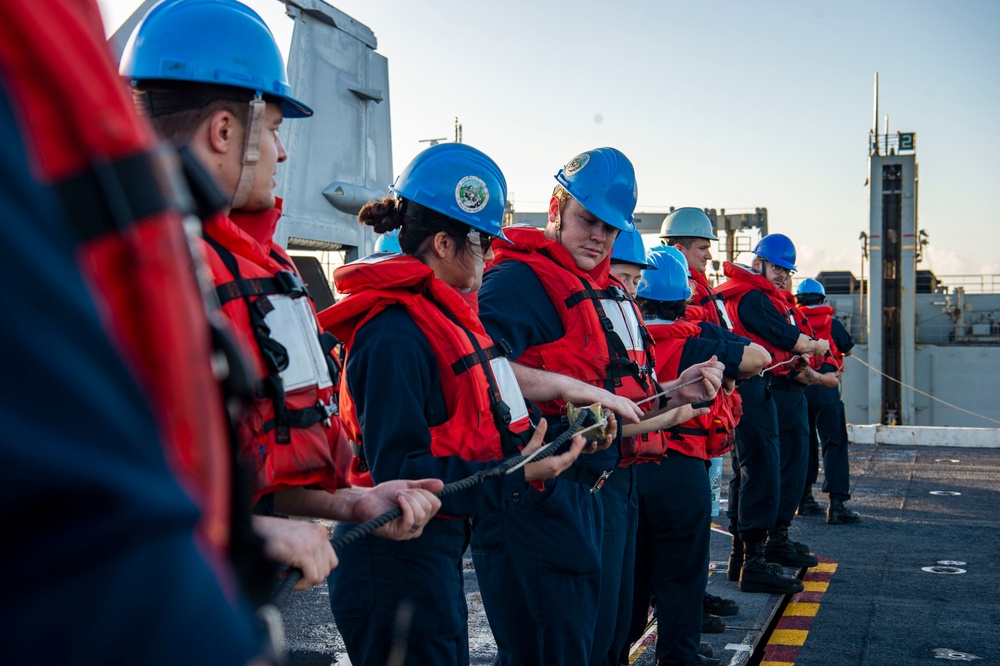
x=778 y=249
x=628 y=248
x=687 y=222
x=669 y=282
x=456 y=180
x=214 y=42
x=603 y=181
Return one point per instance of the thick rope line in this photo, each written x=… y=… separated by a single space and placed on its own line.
x=670 y=390
x=916 y=390
x=778 y=365
x=284 y=593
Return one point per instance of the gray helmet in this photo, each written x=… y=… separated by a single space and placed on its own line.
x=687 y=223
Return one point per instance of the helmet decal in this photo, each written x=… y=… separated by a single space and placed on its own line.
x=577 y=163
x=471 y=194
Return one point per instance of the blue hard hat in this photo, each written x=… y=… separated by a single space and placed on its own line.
x=388 y=242
x=628 y=248
x=218 y=42
x=673 y=252
x=457 y=180
x=810 y=286
x=603 y=181
x=669 y=282
x=778 y=249
x=687 y=223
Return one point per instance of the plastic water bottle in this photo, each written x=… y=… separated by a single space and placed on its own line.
x=715 y=478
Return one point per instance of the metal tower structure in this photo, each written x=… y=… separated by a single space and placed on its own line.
x=893 y=252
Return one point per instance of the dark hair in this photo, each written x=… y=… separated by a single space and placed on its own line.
x=810 y=299
x=176 y=109
x=669 y=310
x=416 y=224
x=684 y=241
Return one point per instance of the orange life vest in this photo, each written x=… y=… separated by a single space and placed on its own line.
x=709 y=300
x=742 y=280
x=604 y=342
x=291 y=436
x=115 y=183
x=487 y=416
x=704 y=436
x=821 y=319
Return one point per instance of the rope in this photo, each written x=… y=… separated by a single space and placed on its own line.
x=776 y=365
x=670 y=390
x=916 y=390
x=283 y=594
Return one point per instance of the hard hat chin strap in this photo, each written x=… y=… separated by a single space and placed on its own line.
x=251 y=152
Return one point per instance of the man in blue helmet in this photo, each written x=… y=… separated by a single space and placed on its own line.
x=209 y=76
x=557 y=561
x=827 y=417
x=768 y=461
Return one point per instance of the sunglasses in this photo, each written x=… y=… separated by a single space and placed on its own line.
x=485 y=239
x=779 y=270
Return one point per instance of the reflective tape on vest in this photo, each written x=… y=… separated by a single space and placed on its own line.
x=510 y=392
x=625 y=323
x=293 y=324
x=723 y=315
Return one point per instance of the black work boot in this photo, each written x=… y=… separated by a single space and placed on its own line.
x=838 y=514
x=808 y=506
x=711 y=624
x=720 y=606
x=705 y=649
x=735 y=560
x=759 y=576
x=782 y=550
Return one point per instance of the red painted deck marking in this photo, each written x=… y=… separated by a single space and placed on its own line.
x=790 y=633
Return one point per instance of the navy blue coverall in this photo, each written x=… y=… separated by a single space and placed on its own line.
x=408 y=592
x=789 y=401
x=540 y=565
x=828 y=427
x=768 y=464
x=675 y=516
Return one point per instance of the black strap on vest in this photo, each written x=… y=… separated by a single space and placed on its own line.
x=285 y=282
x=712 y=296
x=112 y=196
x=510 y=442
x=274 y=353
x=620 y=364
x=677 y=431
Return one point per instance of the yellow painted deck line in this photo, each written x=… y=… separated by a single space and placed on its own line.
x=802 y=609
x=788 y=637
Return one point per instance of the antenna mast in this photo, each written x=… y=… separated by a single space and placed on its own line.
x=874 y=133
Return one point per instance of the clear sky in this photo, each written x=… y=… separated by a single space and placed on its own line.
x=720 y=103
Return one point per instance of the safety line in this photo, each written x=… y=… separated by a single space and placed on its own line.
x=670 y=390
x=791 y=360
x=284 y=592
x=789 y=634
x=916 y=390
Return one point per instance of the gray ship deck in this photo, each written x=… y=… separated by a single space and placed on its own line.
x=916 y=582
